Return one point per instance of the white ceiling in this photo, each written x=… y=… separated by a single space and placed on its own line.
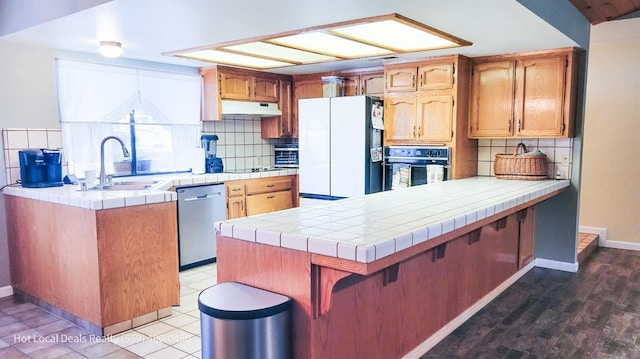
x=148 y=28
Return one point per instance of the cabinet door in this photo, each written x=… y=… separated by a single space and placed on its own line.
x=281 y=126
x=526 y=250
x=492 y=91
x=236 y=207
x=400 y=118
x=351 y=85
x=435 y=76
x=269 y=202
x=235 y=86
x=265 y=89
x=401 y=79
x=435 y=118
x=372 y=83
x=539 y=107
x=211 y=106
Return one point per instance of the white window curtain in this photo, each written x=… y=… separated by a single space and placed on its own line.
x=157 y=111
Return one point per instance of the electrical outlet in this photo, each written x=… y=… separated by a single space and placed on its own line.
x=564 y=160
x=562 y=172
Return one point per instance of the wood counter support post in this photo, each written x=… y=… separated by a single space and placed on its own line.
x=323 y=280
x=390 y=274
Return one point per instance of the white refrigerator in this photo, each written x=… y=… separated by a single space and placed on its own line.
x=340 y=146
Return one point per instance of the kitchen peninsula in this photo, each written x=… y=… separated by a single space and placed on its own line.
x=106 y=260
x=384 y=275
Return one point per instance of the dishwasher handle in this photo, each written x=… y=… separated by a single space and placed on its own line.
x=203 y=196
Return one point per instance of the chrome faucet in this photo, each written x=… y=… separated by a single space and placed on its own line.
x=125 y=153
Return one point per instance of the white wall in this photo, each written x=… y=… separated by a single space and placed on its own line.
x=610 y=192
x=27 y=99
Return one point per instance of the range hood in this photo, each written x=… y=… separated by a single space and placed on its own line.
x=262 y=109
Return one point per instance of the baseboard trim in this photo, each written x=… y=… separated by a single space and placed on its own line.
x=556 y=265
x=425 y=346
x=604 y=241
x=6 y=291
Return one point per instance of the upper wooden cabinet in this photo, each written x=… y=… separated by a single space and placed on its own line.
x=427 y=103
x=281 y=126
x=249 y=87
x=420 y=77
x=401 y=78
x=364 y=83
x=418 y=119
x=224 y=83
x=529 y=95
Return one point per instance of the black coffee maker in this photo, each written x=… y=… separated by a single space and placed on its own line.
x=212 y=164
x=40 y=168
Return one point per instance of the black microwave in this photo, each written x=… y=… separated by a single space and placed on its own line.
x=286 y=155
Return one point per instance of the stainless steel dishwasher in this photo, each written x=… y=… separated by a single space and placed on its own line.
x=198 y=209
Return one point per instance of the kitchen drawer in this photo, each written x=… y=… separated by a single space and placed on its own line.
x=235 y=190
x=269 y=202
x=265 y=186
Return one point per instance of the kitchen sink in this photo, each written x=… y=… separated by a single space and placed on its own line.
x=125 y=186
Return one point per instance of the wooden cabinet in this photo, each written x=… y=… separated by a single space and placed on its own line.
x=235 y=200
x=526 y=249
x=528 y=95
x=104 y=266
x=249 y=87
x=281 y=126
x=364 y=83
x=400 y=78
x=261 y=195
x=437 y=76
x=429 y=88
x=225 y=83
x=426 y=103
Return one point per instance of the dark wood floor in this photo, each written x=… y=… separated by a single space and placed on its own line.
x=594 y=313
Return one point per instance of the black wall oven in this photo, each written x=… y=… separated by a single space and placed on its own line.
x=406 y=166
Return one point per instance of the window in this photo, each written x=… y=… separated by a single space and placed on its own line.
x=155 y=113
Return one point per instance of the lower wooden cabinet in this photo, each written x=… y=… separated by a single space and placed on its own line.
x=526 y=250
x=261 y=195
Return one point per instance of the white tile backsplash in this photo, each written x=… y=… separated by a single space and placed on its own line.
x=16 y=139
x=554 y=148
x=240 y=143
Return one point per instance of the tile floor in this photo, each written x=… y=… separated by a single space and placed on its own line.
x=28 y=331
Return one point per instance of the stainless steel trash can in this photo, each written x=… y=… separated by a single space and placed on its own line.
x=243 y=322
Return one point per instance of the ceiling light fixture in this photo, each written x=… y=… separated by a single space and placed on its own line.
x=110 y=49
x=385 y=35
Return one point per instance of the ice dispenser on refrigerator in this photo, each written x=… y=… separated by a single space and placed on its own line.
x=40 y=168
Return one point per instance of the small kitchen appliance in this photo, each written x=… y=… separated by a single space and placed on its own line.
x=286 y=155
x=40 y=168
x=212 y=163
x=407 y=166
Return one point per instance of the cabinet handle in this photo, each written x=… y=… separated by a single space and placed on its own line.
x=271 y=197
x=270 y=185
x=519 y=125
x=419 y=128
x=509 y=122
x=235 y=189
x=414 y=131
x=421 y=83
x=413 y=81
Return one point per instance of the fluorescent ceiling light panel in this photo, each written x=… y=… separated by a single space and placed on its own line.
x=235 y=59
x=278 y=52
x=395 y=35
x=329 y=44
x=355 y=39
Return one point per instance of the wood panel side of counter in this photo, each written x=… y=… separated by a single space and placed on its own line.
x=54 y=255
x=138 y=251
x=280 y=270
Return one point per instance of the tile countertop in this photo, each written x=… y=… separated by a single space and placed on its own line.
x=367 y=228
x=160 y=192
